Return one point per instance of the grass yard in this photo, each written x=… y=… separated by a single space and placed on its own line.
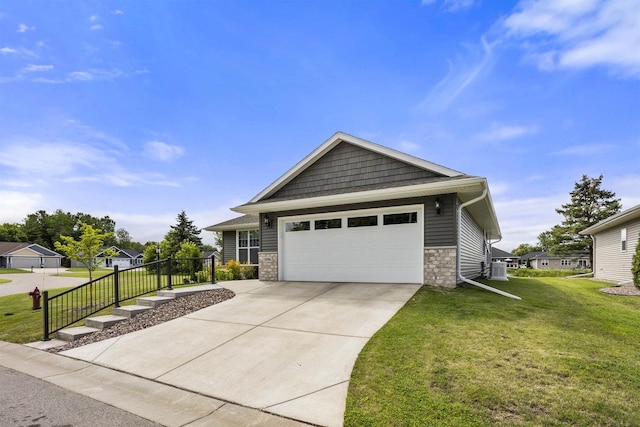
x=565 y=354
x=84 y=273
x=13 y=271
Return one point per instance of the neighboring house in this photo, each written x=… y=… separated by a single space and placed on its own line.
x=27 y=255
x=124 y=258
x=546 y=261
x=510 y=259
x=355 y=211
x=207 y=257
x=614 y=243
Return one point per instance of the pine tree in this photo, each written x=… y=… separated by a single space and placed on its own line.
x=589 y=205
x=183 y=231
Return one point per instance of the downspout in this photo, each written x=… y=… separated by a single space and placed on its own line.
x=459 y=260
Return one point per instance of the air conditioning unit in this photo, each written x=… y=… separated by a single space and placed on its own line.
x=499 y=271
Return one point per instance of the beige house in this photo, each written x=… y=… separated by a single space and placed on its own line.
x=546 y=261
x=614 y=243
x=27 y=255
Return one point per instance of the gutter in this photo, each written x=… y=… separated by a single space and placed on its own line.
x=459 y=260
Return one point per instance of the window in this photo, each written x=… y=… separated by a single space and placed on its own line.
x=325 y=224
x=544 y=262
x=565 y=262
x=248 y=246
x=298 y=226
x=362 y=221
x=623 y=239
x=400 y=218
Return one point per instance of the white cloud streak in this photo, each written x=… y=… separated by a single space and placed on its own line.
x=498 y=133
x=579 y=34
x=162 y=151
x=584 y=150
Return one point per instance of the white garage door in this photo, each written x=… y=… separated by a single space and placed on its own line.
x=378 y=245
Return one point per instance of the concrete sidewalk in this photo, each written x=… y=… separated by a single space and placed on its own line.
x=284 y=348
x=160 y=403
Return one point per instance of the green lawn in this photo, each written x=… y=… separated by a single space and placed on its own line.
x=83 y=272
x=13 y=271
x=4 y=281
x=565 y=354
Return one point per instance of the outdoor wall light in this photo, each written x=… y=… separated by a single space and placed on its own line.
x=438 y=206
x=267 y=221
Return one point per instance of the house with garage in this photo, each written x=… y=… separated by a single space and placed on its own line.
x=541 y=260
x=615 y=240
x=123 y=258
x=356 y=211
x=27 y=255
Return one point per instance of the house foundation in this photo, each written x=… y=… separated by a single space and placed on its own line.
x=440 y=266
x=268 y=266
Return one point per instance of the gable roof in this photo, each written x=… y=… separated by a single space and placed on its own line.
x=338 y=138
x=547 y=255
x=244 y=221
x=614 y=220
x=8 y=248
x=499 y=253
x=441 y=180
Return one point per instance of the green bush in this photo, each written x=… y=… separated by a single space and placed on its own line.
x=233 y=267
x=532 y=272
x=635 y=265
x=203 y=276
x=248 y=271
x=223 y=274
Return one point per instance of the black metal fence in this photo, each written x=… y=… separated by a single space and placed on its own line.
x=68 y=307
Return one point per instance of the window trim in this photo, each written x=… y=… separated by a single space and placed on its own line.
x=248 y=247
x=623 y=239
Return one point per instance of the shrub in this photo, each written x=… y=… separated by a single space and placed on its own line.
x=248 y=271
x=223 y=274
x=635 y=265
x=203 y=276
x=532 y=272
x=233 y=267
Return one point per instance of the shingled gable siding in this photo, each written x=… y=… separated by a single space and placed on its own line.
x=439 y=230
x=347 y=168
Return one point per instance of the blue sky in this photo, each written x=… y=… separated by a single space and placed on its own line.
x=141 y=109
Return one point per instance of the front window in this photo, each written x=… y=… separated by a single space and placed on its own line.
x=545 y=262
x=248 y=246
x=565 y=262
x=623 y=239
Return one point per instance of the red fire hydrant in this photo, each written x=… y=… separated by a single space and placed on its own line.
x=35 y=299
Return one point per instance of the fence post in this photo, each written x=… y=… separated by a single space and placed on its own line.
x=159 y=273
x=116 y=285
x=169 y=274
x=45 y=314
x=213 y=269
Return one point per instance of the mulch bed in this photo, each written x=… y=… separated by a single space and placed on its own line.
x=628 y=290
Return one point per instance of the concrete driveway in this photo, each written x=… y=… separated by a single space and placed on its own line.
x=43 y=278
x=282 y=347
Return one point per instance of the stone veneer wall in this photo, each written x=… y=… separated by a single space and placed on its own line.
x=268 y=266
x=440 y=266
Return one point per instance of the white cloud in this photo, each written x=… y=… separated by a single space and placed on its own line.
x=94 y=18
x=579 y=34
x=499 y=132
x=25 y=53
x=457 y=80
x=96 y=27
x=584 y=150
x=118 y=12
x=16 y=205
x=7 y=50
x=162 y=151
x=626 y=189
x=22 y=28
x=32 y=68
x=94 y=74
x=457 y=5
x=408 y=146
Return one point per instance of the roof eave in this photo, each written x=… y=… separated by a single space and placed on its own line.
x=614 y=220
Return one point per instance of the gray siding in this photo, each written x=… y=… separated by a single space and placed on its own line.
x=611 y=263
x=472 y=251
x=228 y=246
x=348 y=168
x=439 y=230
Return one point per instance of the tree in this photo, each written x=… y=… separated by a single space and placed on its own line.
x=635 y=265
x=12 y=233
x=86 y=249
x=123 y=238
x=525 y=248
x=184 y=230
x=589 y=205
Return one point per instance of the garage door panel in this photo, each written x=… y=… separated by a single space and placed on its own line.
x=382 y=253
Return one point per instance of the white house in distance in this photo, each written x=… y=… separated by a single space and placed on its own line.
x=614 y=243
x=355 y=211
x=27 y=255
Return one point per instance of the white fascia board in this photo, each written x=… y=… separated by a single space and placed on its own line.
x=248 y=226
x=339 y=137
x=613 y=220
x=466 y=185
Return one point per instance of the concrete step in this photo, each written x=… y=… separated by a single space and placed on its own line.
x=72 y=334
x=183 y=292
x=153 y=301
x=130 y=311
x=103 y=322
x=46 y=345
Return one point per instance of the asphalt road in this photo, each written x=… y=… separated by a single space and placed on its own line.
x=30 y=402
